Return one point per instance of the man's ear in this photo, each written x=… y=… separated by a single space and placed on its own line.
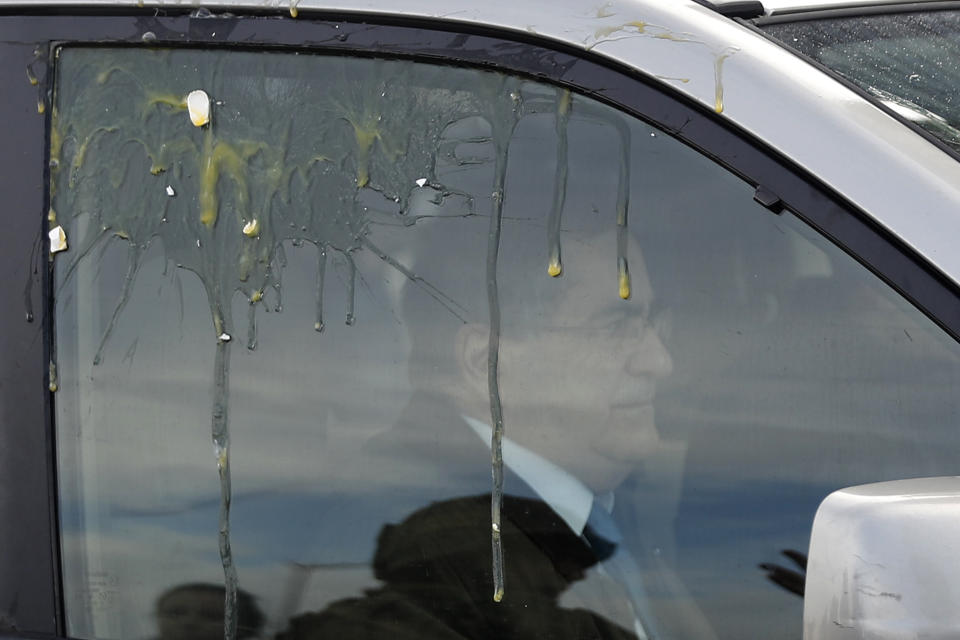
x=472 y=349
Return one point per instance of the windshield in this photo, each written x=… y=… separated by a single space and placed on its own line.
x=908 y=61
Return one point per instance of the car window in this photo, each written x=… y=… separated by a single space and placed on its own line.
x=294 y=307
x=908 y=61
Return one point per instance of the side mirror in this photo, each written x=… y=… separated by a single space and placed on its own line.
x=885 y=563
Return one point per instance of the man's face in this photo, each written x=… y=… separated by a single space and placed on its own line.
x=578 y=371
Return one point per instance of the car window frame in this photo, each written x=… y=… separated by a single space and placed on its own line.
x=30 y=581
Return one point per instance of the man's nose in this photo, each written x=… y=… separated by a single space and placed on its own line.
x=648 y=355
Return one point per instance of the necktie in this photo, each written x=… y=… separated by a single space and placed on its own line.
x=601 y=532
x=604 y=537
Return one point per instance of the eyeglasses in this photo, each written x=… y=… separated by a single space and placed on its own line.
x=623 y=323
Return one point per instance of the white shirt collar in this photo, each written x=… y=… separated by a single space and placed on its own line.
x=566 y=495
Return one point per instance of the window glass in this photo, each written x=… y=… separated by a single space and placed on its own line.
x=908 y=61
x=333 y=289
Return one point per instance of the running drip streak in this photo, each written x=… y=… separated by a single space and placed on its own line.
x=642 y=29
x=292 y=143
x=321 y=277
x=555 y=265
x=493 y=387
x=502 y=124
x=221 y=448
x=623 y=205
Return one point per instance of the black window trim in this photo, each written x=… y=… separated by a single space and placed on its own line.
x=30 y=580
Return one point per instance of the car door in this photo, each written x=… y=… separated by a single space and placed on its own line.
x=260 y=366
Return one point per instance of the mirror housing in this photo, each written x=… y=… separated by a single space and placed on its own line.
x=884 y=563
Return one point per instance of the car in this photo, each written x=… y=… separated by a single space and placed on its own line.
x=571 y=319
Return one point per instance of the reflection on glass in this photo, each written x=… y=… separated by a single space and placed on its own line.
x=434 y=570
x=312 y=292
x=195 y=612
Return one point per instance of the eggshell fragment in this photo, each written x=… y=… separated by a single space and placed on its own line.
x=198 y=104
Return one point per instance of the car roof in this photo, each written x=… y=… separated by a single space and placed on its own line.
x=907 y=184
